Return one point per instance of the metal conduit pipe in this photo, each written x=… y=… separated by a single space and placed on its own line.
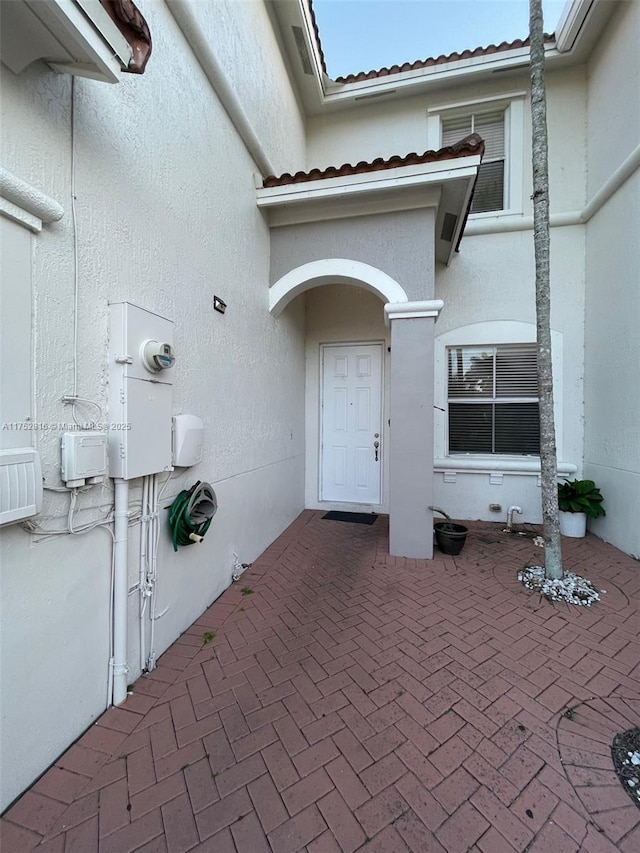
x=192 y=31
x=120 y=591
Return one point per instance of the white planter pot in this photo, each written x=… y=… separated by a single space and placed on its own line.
x=573 y=524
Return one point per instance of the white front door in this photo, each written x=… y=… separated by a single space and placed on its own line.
x=351 y=452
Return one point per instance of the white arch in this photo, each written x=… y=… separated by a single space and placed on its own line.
x=333 y=271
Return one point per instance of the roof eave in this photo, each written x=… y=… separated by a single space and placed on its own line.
x=579 y=29
x=446 y=186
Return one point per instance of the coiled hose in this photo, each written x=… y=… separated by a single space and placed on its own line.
x=191 y=513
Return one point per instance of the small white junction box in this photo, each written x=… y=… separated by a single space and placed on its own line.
x=84 y=457
x=187 y=440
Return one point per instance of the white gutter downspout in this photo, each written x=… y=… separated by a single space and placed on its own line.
x=184 y=17
x=120 y=591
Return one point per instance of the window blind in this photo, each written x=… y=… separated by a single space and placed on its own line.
x=493 y=399
x=489 y=190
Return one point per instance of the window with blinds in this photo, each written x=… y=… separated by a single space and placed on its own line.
x=492 y=399
x=489 y=191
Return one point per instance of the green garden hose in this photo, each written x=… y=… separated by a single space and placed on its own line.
x=191 y=513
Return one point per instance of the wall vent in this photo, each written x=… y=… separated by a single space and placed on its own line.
x=20 y=484
x=301 y=46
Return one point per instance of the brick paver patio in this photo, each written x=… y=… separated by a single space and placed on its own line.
x=354 y=701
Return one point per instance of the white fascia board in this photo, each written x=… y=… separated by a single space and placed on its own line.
x=311 y=41
x=403 y=177
x=570 y=24
x=89 y=43
x=105 y=25
x=351 y=206
x=403 y=82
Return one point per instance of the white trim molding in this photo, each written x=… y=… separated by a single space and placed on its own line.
x=333 y=271
x=25 y=204
x=507 y=465
x=412 y=310
x=503 y=221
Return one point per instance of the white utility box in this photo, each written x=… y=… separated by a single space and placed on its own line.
x=188 y=440
x=83 y=458
x=140 y=394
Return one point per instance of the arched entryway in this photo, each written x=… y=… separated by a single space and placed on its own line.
x=333 y=271
x=356 y=314
x=346 y=379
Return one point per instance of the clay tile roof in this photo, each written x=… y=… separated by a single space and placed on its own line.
x=420 y=63
x=439 y=60
x=472 y=144
x=316 y=32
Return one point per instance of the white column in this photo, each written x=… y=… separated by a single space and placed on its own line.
x=411 y=429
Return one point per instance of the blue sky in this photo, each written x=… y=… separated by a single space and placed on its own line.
x=361 y=35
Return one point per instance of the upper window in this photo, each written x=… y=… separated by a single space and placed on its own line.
x=489 y=192
x=492 y=399
x=499 y=120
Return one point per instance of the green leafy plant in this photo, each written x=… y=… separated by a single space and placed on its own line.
x=246 y=590
x=448 y=524
x=207 y=637
x=580 y=496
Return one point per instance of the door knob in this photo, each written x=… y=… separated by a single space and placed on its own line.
x=376 y=444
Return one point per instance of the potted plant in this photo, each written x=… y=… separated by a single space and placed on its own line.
x=450 y=537
x=577 y=501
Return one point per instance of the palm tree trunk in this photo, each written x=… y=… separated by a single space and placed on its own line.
x=548 y=454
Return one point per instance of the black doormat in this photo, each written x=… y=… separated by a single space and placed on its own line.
x=353 y=517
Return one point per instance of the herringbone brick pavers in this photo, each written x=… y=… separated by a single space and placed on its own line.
x=357 y=701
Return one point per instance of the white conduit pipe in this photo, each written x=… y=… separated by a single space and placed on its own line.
x=142 y=573
x=120 y=591
x=153 y=556
x=184 y=17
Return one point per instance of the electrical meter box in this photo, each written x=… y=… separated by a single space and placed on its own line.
x=141 y=360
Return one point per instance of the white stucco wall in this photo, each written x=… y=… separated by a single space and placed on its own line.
x=612 y=343
x=397 y=127
x=340 y=314
x=492 y=278
x=166 y=218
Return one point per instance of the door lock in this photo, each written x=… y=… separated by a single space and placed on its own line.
x=376 y=444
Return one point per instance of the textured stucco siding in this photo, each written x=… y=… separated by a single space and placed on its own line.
x=166 y=218
x=612 y=342
x=398 y=127
x=399 y=244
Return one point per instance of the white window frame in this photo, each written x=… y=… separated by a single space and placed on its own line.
x=513 y=106
x=468 y=401
x=483 y=334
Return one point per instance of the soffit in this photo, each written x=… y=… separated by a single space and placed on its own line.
x=91 y=38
